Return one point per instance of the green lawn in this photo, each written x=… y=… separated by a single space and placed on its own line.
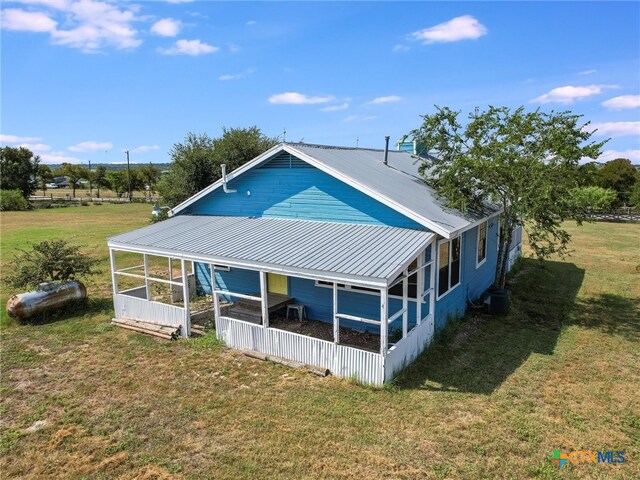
x=491 y=399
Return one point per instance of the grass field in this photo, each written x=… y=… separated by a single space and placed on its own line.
x=491 y=399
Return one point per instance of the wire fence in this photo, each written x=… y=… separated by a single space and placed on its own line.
x=626 y=214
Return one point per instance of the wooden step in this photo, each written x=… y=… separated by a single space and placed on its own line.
x=166 y=332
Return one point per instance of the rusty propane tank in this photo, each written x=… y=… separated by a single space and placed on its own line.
x=49 y=296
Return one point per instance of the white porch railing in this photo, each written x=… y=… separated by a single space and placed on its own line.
x=407 y=350
x=149 y=311
x=341 y=360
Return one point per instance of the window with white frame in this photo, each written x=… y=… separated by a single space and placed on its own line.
x=481 y=254
x=448 y=265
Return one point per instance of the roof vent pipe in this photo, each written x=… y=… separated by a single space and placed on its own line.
x=224 y=180
x=386 y=149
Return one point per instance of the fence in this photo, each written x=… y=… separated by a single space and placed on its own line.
x=619 y=215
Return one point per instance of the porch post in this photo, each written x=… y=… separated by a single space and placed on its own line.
x=186 y=331
x=405 y=303
x=214 y=294
x=384 y=321
x=336 y=320
x=432 y=285
x=147 y=284
x=170 y=269
x=420 y=288
x=114 y=276
x=264 y=299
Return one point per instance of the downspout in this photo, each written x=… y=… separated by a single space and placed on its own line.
x=224 y=180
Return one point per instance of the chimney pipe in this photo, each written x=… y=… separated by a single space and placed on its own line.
x=224 y=180
x=386 y=149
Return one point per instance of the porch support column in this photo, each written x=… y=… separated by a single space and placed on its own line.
x=405 y=303
x=420 y=288
x=384 y=321
x=186 y=326
x=214 y=293
x=147 y=283
x=114 y=276
x=336 y=320
x=264 y=299
x=170 y=270
x=432 y=286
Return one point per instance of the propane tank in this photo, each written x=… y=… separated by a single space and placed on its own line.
x=49 y=296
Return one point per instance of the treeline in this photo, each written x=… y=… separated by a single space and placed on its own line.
x=22 y=172
x=612 y=185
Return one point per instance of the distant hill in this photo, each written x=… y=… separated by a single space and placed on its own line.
x=113 y=166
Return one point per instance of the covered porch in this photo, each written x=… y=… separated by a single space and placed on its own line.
x=390 y=269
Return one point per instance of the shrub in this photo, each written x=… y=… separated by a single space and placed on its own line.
x=12 y=200
x=593 y=198
x=51 y=260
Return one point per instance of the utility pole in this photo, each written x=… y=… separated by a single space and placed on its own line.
x=129 y=175
x=90 y=189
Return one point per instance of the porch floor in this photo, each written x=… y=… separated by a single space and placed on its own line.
x=324 y=331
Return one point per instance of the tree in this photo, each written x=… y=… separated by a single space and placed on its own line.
x=196 y=162
x=523 y=162
x=149 y=177
x=591 y=199
x=18 y=170
x=100 y=178
x=589 y=175
x=50 y=260
x=45 y=175
x=117 y=180
x=634 y=198
x=74 y=174
x=620 y=175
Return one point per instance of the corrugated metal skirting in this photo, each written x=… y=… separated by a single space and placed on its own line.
x=341 y=360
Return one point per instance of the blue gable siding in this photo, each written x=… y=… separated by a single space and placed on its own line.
x=293 y=189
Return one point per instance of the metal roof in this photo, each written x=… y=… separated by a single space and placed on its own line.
x=350 y=253
x=397 y=184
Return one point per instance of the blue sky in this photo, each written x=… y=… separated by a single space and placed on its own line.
x=86 y=80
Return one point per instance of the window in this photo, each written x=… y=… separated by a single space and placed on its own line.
x=448 y=265
x=221 y=268
x=481 y=255
x=342 y=286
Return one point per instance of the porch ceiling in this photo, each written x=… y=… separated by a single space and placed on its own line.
x=349 y=253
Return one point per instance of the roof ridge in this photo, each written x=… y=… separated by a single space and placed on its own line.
x=338 y=147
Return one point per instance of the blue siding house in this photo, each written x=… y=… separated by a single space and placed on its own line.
x=352 y=239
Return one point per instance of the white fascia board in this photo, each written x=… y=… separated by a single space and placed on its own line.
x=401 y=268
x=460 y=231
x=370 y=192
x=230 y=176
x=369 y=282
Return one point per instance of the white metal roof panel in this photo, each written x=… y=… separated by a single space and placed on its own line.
x=367 y=254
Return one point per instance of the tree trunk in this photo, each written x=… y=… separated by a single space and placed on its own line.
x=505 y=241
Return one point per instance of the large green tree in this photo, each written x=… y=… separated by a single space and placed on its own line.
x=619 y=175
x=149 y=177
x=99 y=178
x=196 y=161
x=45 y=175
x=523 y=162
x=74 y=173
x=18 y=170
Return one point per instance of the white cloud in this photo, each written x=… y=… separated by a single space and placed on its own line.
x=359 y=118
x=21 y=20
x=189 y=47
x=145 y=148
x=167 y=27
x=18 y=139
x=251 y=23
x=401 y=48
x=569 y=93
x=587 y=72
x=618 y=129
x=633 y=155
x=623 y=102
x=59 y=157
x=465 y=27
x=335 y=108
x=89 y=25
x=294 y=98
x=387 y=99
x=91 y=147
x=236 y=76
x=36 y=147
